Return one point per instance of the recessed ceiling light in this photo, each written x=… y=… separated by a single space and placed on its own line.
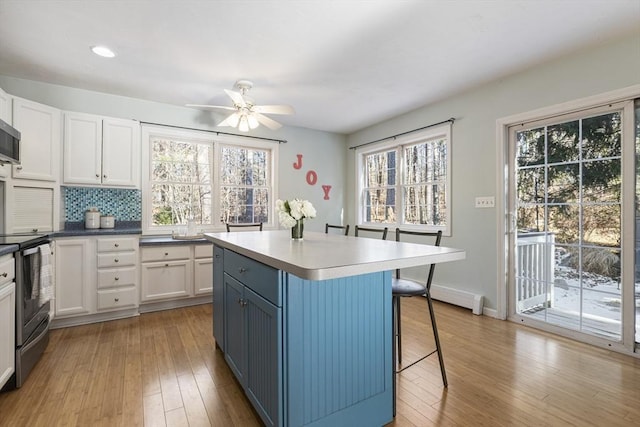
x=103 y=51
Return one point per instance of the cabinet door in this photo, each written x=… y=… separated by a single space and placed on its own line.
x=263 y=375
x=5 y=114
x=165 y=280
x=73 y=276
x=203 y=276
x=31 y=208
x=7 y=331
x=235 y=330
x=82 y=149
x=218 y=296
x=39 y=126
x=120 y=152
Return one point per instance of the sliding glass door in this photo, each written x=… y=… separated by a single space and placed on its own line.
x=567 y=243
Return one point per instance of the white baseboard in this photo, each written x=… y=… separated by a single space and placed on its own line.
x=458 y=297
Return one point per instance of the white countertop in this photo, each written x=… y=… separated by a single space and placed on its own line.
x=323 y=256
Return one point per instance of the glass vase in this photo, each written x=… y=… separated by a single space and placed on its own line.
x=297 y=230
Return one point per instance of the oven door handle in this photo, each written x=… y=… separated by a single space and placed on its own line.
x=30 y=251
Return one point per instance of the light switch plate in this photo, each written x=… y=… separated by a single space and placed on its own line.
x=485 y=202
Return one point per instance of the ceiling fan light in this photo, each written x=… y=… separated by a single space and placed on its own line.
x=244 y=124
x=253 y=122
x=233 y=120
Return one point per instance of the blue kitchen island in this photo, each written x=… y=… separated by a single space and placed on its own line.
x=306 y=326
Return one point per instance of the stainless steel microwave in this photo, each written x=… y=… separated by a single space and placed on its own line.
x=9 y=144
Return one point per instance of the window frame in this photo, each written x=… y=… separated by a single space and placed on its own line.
x=397 y=144
x=149 y=132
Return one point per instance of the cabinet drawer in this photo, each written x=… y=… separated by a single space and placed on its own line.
x=7 y=269
x=204 y=251
x=262 y=279
x=117 y=244
x=111 y=278
x=116 y=259
x=117 y=298
x=163 y=253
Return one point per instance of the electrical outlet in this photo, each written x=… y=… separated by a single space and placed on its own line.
x=485 y=202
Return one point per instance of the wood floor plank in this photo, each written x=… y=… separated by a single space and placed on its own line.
x=163 y=368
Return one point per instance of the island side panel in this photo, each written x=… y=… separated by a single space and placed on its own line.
x=339 y=351
x=218 y=296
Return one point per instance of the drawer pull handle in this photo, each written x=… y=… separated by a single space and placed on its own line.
x=242 y=270
x=116 y=260
x=117 y=278
x=4 y=274
x=116 y=299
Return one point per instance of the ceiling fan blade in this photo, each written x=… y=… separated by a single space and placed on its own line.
x=236 y=98
x=211 y=107
x=231 y=120
x=273 y=109
x=268 y=122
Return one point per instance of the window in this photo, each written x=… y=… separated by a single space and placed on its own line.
x=205 y=177
x=406 y=182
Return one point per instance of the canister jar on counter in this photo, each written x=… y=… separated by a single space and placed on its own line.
x=92 y=218
x=107 y=221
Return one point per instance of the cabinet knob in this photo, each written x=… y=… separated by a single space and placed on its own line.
x=19 y=167
x=217 y=256
x=166 y=254
x=117 y=278
x=117 y=245
x=166 y=265
x=4 y=274
x=116 y=299
x=116 y=260
x=97 y=175
x=104 y=176
x=242 y=270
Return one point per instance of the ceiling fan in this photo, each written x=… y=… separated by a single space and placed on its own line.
x=246 y=114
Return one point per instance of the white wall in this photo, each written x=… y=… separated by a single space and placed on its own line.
x=474 y=168
x=323 y=152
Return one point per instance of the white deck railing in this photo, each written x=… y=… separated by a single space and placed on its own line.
x=534 y=270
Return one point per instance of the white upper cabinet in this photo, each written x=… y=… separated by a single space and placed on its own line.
x=5 y=114
x=5 y=106
x=101 y=151
x=39 y=126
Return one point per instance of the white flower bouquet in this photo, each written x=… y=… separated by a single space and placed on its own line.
x=292 y=211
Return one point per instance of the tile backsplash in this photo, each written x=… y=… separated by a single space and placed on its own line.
x=123 y=204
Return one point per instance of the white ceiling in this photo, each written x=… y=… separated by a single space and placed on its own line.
x=343 y=65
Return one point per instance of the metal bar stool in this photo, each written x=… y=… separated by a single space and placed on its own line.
x=409 y=288
x=257 y=225
x=327 y=226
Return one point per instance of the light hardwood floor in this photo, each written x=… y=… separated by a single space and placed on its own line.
x=162 y=369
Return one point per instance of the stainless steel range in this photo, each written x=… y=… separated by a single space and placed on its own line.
x=32 y=301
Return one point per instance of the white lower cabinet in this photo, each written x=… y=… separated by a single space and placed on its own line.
x=117 y=280
x=7 y=319
x=203 y=269
x=175 y=271
x=166 y=272
x=74 y=271
x=96 y=274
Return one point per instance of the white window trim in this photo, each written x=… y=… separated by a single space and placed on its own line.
x=443 y=130
x=216 y=140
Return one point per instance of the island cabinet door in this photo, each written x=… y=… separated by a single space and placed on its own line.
x=218 y=296
x=234 y=327
x=264 y=358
